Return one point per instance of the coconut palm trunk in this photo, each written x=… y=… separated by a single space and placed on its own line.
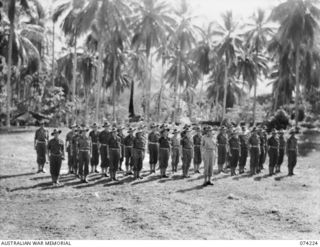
x=53 y=43
x=74 y=79
x=297 y=86
x=100 y=71
x=12 y=7
x=225 y=89
x=254 y=101
x=114 y=89
x=161 y=88
x=175 y=90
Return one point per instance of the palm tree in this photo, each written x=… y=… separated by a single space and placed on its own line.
x=226 y=48
x=298 y=24
x=71 y=27
x=183 y=40
x=27 y=44
x=105 y=18
x=256 y=41
x=151 y=27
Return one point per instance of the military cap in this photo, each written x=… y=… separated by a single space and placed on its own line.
x=274 y=131
x=94 y=125
x=281 y=131
x=197 y=127
x=254 y=129
x=187 y=129
x=139 y=130
x=165 y=129
x=153 y=125
x=175 y=131
x=222 y=128
x=114 y=129
x=56 y=131
x=209 y=128
x=73 y=126
x=292 y=131
x=106 y=124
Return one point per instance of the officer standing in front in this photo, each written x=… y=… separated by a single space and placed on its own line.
x=243 y=150
x=128 y=145
x=69 y=137
x=164 y=152
x=94 y=135
x=114 y=152
x=175 y=150
x=40 y=145
x=55 y=156
x=234 y=144
x=282 y=146
x=254 y=145
x=187 y=152
x=103 y=145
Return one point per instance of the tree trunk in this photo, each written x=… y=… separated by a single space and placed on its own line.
x=13 y=5
x=86 y=105
x=200 y=98
x=297 y=86
x=53 y=37
x=149 y=90
x=217 y=103
x=74 y=79
x=114 y=89
x=225 y=88
x=161 y=88
x=100 y=73
x=254 y=102
x=275 y=107
x=175 y=90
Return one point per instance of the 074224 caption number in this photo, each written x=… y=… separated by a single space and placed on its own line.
x=308 y=243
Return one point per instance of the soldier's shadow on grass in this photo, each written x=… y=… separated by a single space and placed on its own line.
x=148 y=180
x=198 y=187
x=40 y=185
x=245 y=175
x=17 y=175
x=171 y=179
x=222 y=177
x=259 y=178
x=281 y=177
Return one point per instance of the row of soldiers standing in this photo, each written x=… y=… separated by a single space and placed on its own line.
x=232 y=147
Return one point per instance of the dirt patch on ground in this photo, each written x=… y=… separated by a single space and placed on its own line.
x=240 y=207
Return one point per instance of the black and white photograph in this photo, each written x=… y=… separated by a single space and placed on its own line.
x=159 y=120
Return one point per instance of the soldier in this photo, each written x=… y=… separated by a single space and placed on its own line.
x=164 y=152
x=282 y=145
x=292 y=151
x=263 y=151
x=243 y=150
x=75 y=151
x=69 y=137
x=153 y=146
x=114 y=152
x=94 y=135
x=128 y=144
x=138 y=153
x=208 y=148
x=254 y=146
x=234 y=153
x=187 y=152
x=197 y=150
x=55 y=156
x=222 y=148
x=84 y=151
x=40 y=145
x=121 y=136
x=273 y=147
x=103 y=142
x=175 y=153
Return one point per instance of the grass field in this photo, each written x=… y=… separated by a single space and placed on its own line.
x=240 y=207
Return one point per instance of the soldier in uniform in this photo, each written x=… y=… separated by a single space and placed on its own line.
x=282 y=146
x=187 y=152
x=128 y=144
x=273 y=147
x=40 y=145
x=114 y=152
x=121 y=136
x=103 y=142
x=263 y=151
x=153 y=146
x=175 y=151
x=234 y=153
x=243 y=150
x=75 y=151
x=197 y=150
x=55 y=156
x=164 y=152
x=69 y=137
x=208 y=148
x=138 y=152
x=84 y=150
x=292 y=151
x=222 y=143
x=254 y=145
x=94 y=135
